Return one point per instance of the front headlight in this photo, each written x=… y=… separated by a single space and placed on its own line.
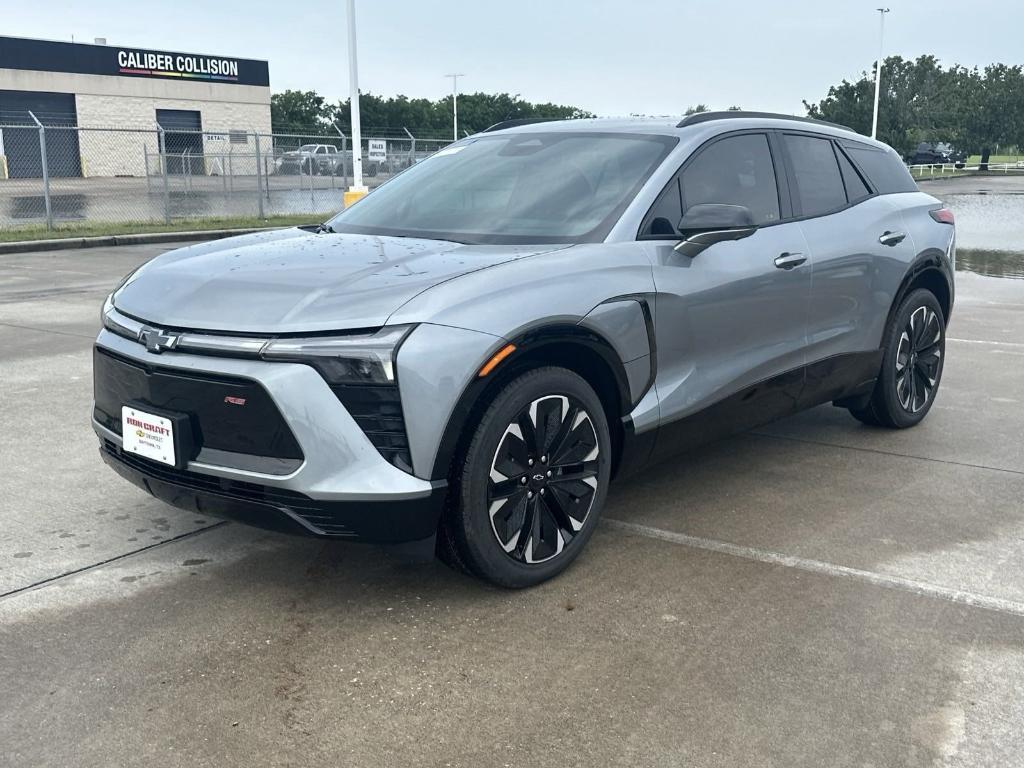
x=368 y=359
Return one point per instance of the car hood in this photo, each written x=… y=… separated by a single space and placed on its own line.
x=294 y=281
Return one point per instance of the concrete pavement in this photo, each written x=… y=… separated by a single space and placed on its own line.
x=817 y=593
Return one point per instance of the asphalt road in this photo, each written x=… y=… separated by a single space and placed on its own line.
x=817 y=593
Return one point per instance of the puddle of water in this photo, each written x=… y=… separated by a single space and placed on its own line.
x=990 y=263
x=989 y=222
x=989 y=234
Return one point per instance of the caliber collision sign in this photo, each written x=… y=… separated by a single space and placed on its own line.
x=86 y=59
x=176 y=65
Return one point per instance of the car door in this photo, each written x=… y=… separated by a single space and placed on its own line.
x=856 y=240
x=731 y=322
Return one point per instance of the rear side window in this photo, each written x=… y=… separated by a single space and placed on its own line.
x=736 y=170
x=885 y=170
x=818 y=180
x=856 y=189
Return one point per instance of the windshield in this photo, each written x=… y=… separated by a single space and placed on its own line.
x=308 y=147
x=519 y=188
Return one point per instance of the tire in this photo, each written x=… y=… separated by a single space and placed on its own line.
x=515 y=494
x=915 y=349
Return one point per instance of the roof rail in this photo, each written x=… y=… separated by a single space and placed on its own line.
x=704 y=117
x=517 y=122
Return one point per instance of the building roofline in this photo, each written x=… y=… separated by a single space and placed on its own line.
x=132 y=46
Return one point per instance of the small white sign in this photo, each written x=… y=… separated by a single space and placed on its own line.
x=378 y=150
x=147 y=435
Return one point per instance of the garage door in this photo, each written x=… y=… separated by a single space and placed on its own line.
x=183 y=139
x=20 y=136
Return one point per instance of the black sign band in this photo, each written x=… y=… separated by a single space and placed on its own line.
x=84 y=59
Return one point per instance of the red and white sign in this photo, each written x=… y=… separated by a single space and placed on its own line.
x=147 y=435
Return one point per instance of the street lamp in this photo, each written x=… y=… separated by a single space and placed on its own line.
x=878 y=70
x=357 y=190
x=455 y=104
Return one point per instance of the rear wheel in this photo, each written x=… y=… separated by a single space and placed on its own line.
x=532 y=482
x=915 y=348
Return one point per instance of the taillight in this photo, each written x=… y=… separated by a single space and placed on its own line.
x=942 y=215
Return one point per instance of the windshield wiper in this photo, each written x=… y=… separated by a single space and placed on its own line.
x=321 y=228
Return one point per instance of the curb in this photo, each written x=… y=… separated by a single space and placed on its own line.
x=65 y=243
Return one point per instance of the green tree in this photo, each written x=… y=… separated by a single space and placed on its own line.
x=916 y=103
x=424 y=117
x=298 y=112
x=696 y=109
x=975 y=110
x=988 y=108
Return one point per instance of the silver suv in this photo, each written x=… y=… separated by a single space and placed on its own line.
x=469 y=355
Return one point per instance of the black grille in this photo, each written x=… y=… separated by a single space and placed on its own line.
x=301 y=505
x=377 y=409
x=255 y=427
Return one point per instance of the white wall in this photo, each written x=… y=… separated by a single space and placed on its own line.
x=128 y=105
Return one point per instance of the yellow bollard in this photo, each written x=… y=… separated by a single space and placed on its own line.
x=353 y=195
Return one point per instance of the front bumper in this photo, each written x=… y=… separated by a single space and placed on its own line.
x=382 y=521
x=341 y=487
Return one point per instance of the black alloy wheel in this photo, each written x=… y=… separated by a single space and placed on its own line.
x=543 y=478
x=527 y=491
x=912 y=361
x=918 y=359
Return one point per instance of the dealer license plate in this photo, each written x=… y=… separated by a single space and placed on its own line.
x=147 y=435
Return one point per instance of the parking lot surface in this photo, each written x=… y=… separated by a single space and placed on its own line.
x=815 y=593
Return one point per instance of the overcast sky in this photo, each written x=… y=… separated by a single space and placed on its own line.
x=613 y=57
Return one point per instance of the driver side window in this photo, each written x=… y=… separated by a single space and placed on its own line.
x=736 y=170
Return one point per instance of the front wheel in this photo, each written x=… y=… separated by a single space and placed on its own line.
x=915 y=349
x=532 y=482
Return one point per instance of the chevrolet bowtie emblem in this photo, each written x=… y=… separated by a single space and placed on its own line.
x=158 y=341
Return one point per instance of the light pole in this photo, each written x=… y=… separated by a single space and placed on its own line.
x=878 y=70
x=455 y=104
x=357 y=190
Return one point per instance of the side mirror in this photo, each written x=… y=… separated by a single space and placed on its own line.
x=709 y=223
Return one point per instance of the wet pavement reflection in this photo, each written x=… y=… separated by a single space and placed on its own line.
x=991 y=263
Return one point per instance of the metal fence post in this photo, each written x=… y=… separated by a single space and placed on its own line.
x=259 y=184
x=412 y=147
x=334 y=171
x=46 y=170
x=344 y=160
x=162 y=146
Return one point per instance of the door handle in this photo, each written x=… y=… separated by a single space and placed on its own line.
x=789 y=260
x=892 y=238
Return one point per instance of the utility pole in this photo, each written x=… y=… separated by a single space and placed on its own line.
x=455 y=104
x=878 y=70
x=357 y=190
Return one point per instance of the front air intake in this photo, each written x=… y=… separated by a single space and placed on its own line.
x=377 y=409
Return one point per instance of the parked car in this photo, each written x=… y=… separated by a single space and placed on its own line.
x=469 y=355
x=937 y=154
x=318 y=158
x=371 y=168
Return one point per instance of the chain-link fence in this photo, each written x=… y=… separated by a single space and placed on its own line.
x=56 y=176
